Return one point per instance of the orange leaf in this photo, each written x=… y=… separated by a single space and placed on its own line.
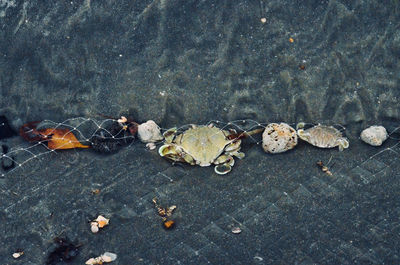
x=61 y=139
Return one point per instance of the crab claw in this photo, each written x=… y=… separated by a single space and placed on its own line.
x=224 y=164
x=300 y=125
x=169 y=135
x=222 y=169
x=343 y=144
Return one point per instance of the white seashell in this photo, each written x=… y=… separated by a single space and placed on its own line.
x=374 y=135
x=151 y=146
x=278 y=138
x=149 y=132
x=108 y=256
x=94 y=227
x=105 y=258
x=236 y=230
x=16 y=255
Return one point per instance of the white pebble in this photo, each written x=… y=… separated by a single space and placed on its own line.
x=374 y=135
x=149 y=132
x=94 y=227
x=278 y=138
x=16 y=255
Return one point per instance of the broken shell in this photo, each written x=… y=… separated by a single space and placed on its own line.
x=105 y=258
x=108 y=257
x=123 y=119
x=278 y=138
x=99 y=222
x=151 y=146
x=149 y=132
x=102 y=221
x=236 y=230
x=92 y=261
x=169 y=224
x=374 y=135
x=16 y=255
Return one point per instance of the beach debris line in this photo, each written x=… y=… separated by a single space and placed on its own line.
x=99 y=222
x=106 y=257
x=165 y=213
x=374 y=135
x=278 y=138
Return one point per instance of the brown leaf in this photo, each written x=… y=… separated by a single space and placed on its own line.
x=61 y=139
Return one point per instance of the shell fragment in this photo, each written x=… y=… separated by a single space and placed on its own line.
x=105 y=258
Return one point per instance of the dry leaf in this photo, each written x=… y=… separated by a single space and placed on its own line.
x=61 y=139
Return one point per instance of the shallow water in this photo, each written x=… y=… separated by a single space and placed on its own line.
x=189 y=62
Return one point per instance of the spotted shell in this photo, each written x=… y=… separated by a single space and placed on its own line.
x=278 y=138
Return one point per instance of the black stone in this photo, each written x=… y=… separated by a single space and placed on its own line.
x=5 y=129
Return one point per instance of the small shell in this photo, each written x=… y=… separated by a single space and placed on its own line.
x=105 y=258
x=151 y=146
x=278 y=138
x=123 y=119
x=108 y=257
x=102 y=221
x=374 y=135
x=149 y=132
x=18 y=254
x=236 y=230
x=92 y=261
x=94 y=227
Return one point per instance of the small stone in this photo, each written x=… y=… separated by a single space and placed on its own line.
x=278 y=138
x=149 y=132
x=374 y=135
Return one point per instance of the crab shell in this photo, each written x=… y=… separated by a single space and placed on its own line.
x=323 y=136
x=202 y=146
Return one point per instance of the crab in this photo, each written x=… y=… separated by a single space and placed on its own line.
x=203 y=146
x=322 y=136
